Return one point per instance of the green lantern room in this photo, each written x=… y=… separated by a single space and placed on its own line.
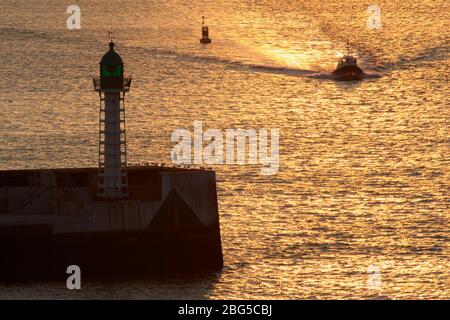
x=111 y=70
x=111 y=73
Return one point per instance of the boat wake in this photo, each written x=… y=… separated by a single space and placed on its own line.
x=331 y=76
x=241 y=65
x=279 y=70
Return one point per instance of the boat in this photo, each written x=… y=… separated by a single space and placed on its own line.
x=205 y=33
x=347 y=68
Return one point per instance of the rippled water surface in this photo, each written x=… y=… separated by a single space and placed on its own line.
x=364 y=167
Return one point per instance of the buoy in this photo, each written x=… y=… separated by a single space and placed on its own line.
x=205 y=33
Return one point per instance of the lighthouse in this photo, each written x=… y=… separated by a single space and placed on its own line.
x=114 y=220
x=112 y=153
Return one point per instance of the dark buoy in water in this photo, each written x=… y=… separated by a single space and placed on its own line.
x=205 y=33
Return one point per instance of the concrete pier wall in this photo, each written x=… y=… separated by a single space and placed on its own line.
x=76 y=198
x=169 y=222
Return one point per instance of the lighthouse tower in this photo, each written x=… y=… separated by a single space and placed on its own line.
x=112 y=155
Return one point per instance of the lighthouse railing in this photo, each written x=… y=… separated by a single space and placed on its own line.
x=126 y=85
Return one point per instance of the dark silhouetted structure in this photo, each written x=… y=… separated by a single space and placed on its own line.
x=205 y=33
x=157 y=221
